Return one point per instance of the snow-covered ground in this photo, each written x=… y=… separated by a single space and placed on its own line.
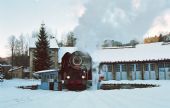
x=12 y=97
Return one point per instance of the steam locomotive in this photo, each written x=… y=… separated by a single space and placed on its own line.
x=76 y=70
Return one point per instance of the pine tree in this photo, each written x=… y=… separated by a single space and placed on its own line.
x=42 y=58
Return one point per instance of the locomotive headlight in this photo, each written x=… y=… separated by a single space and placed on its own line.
x=82 y=76
x=68 y=77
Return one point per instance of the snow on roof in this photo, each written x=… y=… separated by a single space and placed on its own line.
x=142 y=52
x=5 y=65
x=53 y=42
x=26 y=70
x=63 y=50
x=15 y=68
x=46 y=71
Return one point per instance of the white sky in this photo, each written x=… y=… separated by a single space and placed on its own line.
x=26 y=16
x=120 y=20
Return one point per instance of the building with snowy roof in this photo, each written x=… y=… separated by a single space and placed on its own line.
x=143 y=62
x=53 y=49
x=19 y=72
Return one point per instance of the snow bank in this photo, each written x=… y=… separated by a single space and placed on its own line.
x=157 y=97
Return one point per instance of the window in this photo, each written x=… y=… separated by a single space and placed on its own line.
x=131 y=67
x=138 y=67
x=152 y=67
x=47 y=76
x=161 y=69
x=51 y=76
x=167 y=65
x=109 y=68
x=104 y=67
x=161 y=65
x=43 y=78
x=117 y=68
x=124 y=67
x=146 y=67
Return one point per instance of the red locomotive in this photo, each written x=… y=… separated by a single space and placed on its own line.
x=76 y=70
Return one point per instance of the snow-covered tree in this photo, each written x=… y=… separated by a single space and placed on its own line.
x=71 y=40
x=42 y=56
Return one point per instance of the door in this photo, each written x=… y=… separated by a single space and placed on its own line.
x=161 y=71
x=167 y=73
x=164 y=74
x=136 y=75
x=118 y=76
x=133 y=75
x=152 y=75
x=51 y=85
x=124 y=75
x=146 y=75
x=161 y=75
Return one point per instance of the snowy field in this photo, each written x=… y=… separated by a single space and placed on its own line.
x=12 y=97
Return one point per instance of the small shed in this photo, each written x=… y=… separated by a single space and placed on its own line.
x=19 y=72
x=49 y=79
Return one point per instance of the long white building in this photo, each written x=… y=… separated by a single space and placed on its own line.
x=143 y=62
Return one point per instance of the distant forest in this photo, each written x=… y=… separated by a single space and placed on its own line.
x=152 y=39
x=160 y=38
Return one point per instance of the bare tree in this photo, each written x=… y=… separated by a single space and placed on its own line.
x=12 y=40
x=19 y=50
